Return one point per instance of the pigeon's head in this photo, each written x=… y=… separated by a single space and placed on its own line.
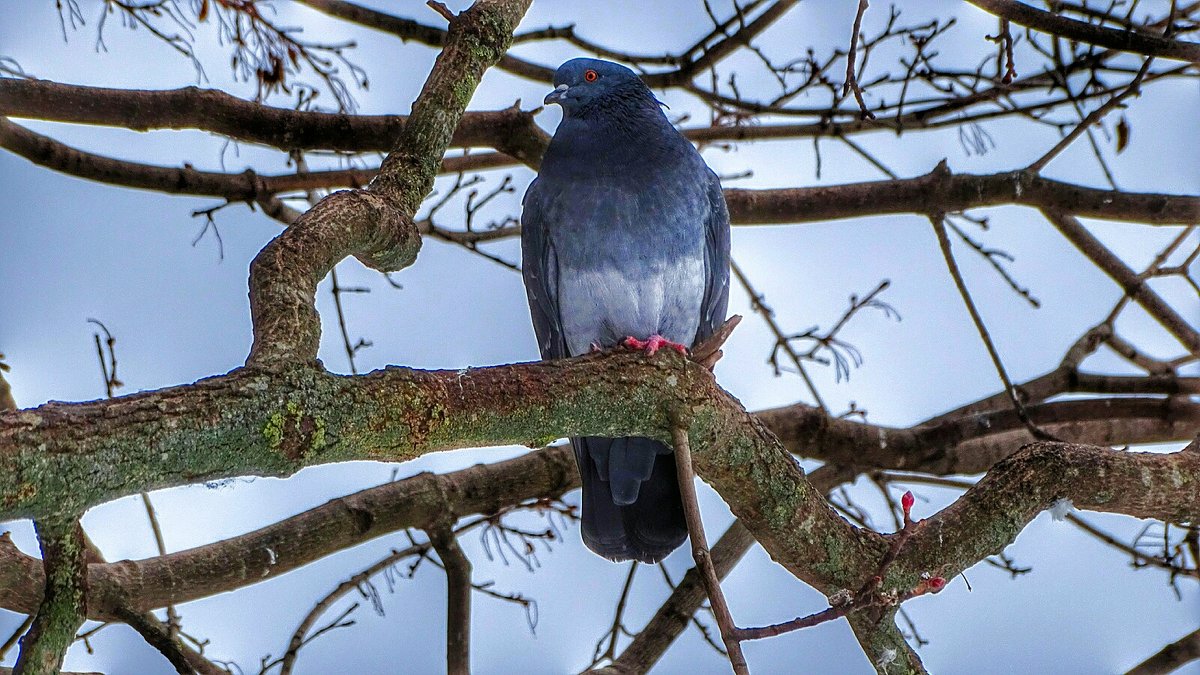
x=581 y=82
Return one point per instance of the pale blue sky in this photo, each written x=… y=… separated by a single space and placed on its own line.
x=71 y=249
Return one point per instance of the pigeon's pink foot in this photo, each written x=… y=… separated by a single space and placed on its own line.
x=652 y=344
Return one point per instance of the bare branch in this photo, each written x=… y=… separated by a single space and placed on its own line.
x=1122 y=40
x=1181 y=652
x=64 y=603
x=1134 y=285
x=1133 y=89
x=700 y=551
x=458 y=600
x=939 y=228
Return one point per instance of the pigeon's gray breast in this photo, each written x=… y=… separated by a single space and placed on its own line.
x=630 y=263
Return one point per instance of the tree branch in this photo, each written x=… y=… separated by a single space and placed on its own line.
x=673 y=616
x=1080 y=31
x=458 y=600
x=158 y=635
x=281 y=547
x=64 y=602
x=1134 y=285
x=262 y=422
x=972 y=442
x=709 y=54
x=953 y=193
x=1179 y=653
x=989 y=516
x=217 y=112
x=375 y=225
x=968 y=443
x=408 y=29
x=700 y=551
x=958 y=192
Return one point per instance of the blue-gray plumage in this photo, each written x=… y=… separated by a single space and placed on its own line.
x=624 y=234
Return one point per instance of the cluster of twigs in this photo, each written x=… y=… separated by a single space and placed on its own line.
x=272 y=56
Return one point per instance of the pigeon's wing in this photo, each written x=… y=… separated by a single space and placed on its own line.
x=539 y=267
x=716 y=261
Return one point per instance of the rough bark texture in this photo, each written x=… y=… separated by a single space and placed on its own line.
x=220 y=113
x=64 y=603
x=276 y=549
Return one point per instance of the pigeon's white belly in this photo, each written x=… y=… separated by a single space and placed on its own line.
x=602 y=305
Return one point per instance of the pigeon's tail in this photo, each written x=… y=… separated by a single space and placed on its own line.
x=631 y=504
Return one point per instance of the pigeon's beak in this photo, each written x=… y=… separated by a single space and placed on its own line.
x=554 y=96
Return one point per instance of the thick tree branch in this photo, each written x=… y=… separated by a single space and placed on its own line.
x=971 y=443
x=953 y=193
x=285 y=274
x=989 y=516
x=733 y=452
x=416 y=502
x=238 y=119
x=246 y=186
x=511 y=131
x=964 y=445
x=258 y=422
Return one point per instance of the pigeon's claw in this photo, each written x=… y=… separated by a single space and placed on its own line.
x=652 y=344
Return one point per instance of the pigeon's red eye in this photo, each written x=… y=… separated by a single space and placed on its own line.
x=590 y=75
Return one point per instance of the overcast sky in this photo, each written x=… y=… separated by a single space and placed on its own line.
x=71 y=250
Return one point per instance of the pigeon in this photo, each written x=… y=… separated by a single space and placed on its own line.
x=624 y=241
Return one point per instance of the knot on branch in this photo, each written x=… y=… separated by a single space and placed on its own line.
x=522 y=138
x=395 y=241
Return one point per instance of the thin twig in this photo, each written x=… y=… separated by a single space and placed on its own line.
x=609 y=653
x=108 y=361
x=1005 y=67
x=16 y=635
x=173 y=621
x=1133 y=284
x=939 y=228
x=758 y=304
x=851 y=83
x=844 y=602
x=1096 y=115
x=700 y=551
